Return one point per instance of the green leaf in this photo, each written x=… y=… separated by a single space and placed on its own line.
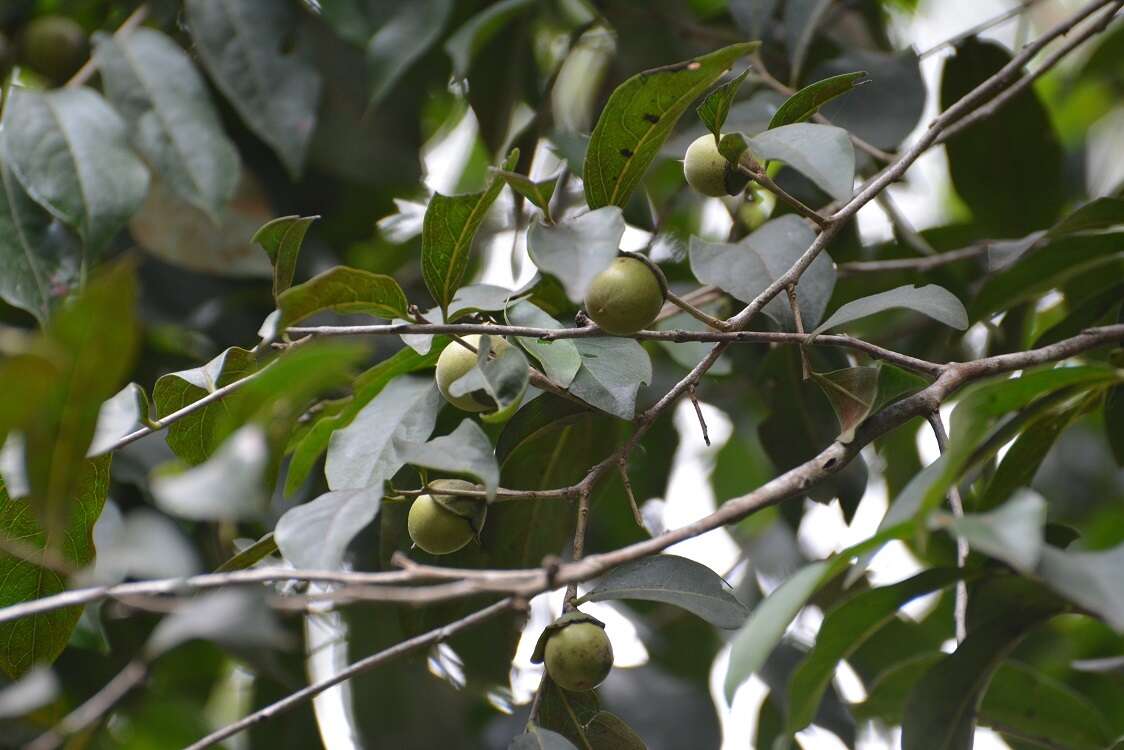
x=638 y=118
x=120 y=415
x=560 y=359
x=367 y=452
x=281 y=239
x=312 y=444
x=611 y=374
x=503 y=378
x=578 y=248
x=845 y=628
x=745 y=269
x=807 y=101
x=716 y=106
x=1012 y=533
x=228 y=486
x=193 y=438
x=1008 y=195
x=42 y=637
x=940 y=713
x=822 y=153
x=448 y=229
x=1114 y=422
x=249 y=556
x=238 y=618
x=345 y=290
x=537 y=738
x=465 y=451
x=315 y=535
x=154 y=85
x=40 y=257
x=70 y=151
x=1090 y=579
x=538 y=192
x=1102 y=213
x=273 y=91
x=400 y=41
x=1037 y=706
x=934 y=301
x=673 y=580
x=606 y=730
x=463 y=44
x=801 y=19
x=852 y=393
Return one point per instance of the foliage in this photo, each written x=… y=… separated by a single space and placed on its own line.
x=191 y=224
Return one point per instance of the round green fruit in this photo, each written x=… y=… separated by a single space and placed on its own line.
x=708 y=171
x=579 y=656
x=757 y=208
x=624 y=298
x=55 y=47
x=435 y=528
x=455 y=361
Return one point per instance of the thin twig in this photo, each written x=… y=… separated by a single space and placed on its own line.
x=96 y=707
x=980 y=27
x=960 y=614
x=794 y=304
x=698 y=413
x=622 y=468
x=86 y=72
x=924 y=263
x=756 y=171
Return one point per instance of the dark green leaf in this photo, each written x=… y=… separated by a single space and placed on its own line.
x=940 y=713
x=1090 y=579
x=448 y=229
x=887 y=110
x=465 y=451
x=934 y=301
x=41 y=638
x=156 y=88
x=638 y=118
x=1012 y=533
x=560 y=359
x=751 y=16
x=274 y=92
x=282 y=239
x=537 y=738
x=463 y=44
x=345 y=290
x=852 y=393
x=807 y=101
x=235 y=617
x=120 y=415
x=315 y=536
x=716 y=105
x=40 y=257
x=801 y=19
x=606 y=730
x=1102 y=213
x=612 y=372
x=538 y=192
x=822 y=153
x=401 y=40
x=1007 y=193
x=228 y=486
x=1114 y=422
x=251 y=555
x=70 y=151
x=502 y=377
x=673 y=580
x=577 y=249
x=844 y=629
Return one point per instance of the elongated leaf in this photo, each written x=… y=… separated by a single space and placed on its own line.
x=41 y=638
x=940 y=713
x=716 y=107
x=852 y=393
x=275 y=93
x=230 y=485
x=40 y=257
x=844 y=630
x=638 y=118
x=401 y=40
x=343 y=289
x=1012 y=533
x=315 y=536
x=250 y=556
x=801 y=19
x=156 y=88
x=282 y=239
x=235 y=617
x=612 y=372
x=310 y=445
x=807 y=101
x=502 y=377
x=673 y=580
x=887 y=109
x=575 y=250
x=931 y=300
x=120 y=415
x=466 y=41
x=606 y=730
x=560 y=359
x=1090 y=579
x=366 y=453
x=538 y=192
x=822 y=153
x=69 y=150
x=448 y=229
x=466 y=450
x=745 y=269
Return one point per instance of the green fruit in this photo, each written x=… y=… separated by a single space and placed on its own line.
x=579 y=656
x=757 y=208
x=435 y=528
x=457 y=360
x=625 y=297
x=55 y=47
x=708 y=171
